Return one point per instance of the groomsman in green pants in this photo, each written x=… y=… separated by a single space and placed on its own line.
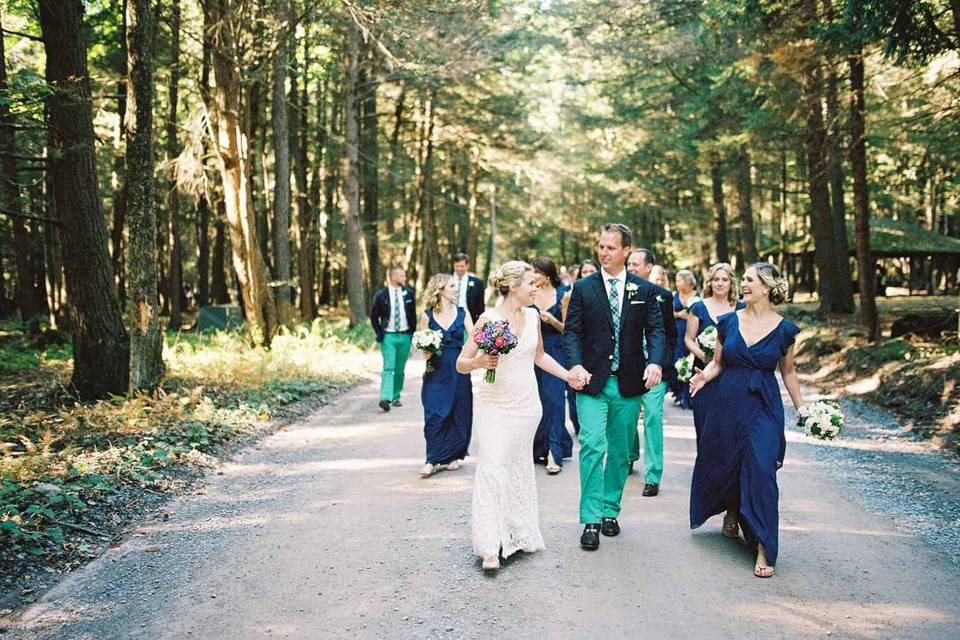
x=640 y=263
x=610 y=315
x=394 y=318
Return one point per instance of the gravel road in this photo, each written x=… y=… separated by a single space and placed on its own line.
x=325 y=530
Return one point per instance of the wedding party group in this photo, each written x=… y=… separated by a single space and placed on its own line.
x=602 y=343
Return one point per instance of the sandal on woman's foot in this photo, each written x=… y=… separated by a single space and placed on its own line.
x=552 y=467
x=731 y=529
x=428 y=470
x=762 y=569
x=491 y=563
x=453 y=465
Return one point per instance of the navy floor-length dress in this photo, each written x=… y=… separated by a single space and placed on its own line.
x=447 y=397
x=743 y=444
x=703 y=401
x=680 y=388
x=552 y=432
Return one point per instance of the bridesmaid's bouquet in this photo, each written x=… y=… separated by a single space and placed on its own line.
x=708 y=341
x=431 y=341
x=496 y=338
x=822 y=420
x=684 y=367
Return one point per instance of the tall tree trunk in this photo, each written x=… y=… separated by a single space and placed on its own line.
x=218 y=285
x=835 y=169
x=748 y=235
x=395 y=191
x=355 y=286
x=119 y=166
x=306 y=247
x=719 y=210
x=260 y=194
x=203 y=203
x=832 y=269
x=101 y=348
x=473 y=221
x=861 y=196
x=428 y=227
x=175 y=286
x=281 y=150
x=221 y=19
x=146 y=340
x=370 y=165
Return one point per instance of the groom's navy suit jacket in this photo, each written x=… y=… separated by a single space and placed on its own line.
x=588 y=333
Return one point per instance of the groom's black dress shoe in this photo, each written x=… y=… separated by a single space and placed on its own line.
x=610 y=527
x=651 y=489
x=385 y=405
x=590 y=539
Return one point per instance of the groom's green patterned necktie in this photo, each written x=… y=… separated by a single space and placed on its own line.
x=396 y=309
x=615 y=312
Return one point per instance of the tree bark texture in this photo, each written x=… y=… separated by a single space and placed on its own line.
x=231 y=150
x=748 y=234
x=175 y=280
x=101 y=347
x=356 y=294
x=719 y=209
x=146 y=340
x=281 y=150
x=861 y=197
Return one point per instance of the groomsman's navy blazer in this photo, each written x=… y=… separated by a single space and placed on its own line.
x=380 y=311
x=665 y=298
x=588 y=333
x=475 y=303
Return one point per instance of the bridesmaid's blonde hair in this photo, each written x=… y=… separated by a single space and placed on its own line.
x=734 y=293
x=509 y=274
x=432 y=296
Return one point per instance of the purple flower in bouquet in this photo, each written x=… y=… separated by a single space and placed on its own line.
x=496 y=338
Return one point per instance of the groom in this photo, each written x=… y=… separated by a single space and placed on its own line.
x=609 y=314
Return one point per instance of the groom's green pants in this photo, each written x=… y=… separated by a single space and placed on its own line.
x=652 y=403
x=606 y=421
x=395 y=349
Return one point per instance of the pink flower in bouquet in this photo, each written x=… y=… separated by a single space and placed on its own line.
x=496 y=338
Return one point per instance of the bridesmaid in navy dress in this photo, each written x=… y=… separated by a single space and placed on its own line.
x=719 y=297
x=447 y=396
x=683 y=298
x=742 y=444
x=552 y=442
x=587 y=267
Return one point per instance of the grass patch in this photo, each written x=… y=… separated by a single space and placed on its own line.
x=63 y=464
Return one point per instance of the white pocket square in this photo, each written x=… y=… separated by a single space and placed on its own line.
x=638 y=302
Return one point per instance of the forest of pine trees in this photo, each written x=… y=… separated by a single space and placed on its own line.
x=163 y=155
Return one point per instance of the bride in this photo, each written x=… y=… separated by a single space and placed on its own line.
x=506 y=414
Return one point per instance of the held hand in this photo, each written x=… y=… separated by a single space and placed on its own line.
x=652 y=375
x=582 y=375
x=486 y=361
x=697 y=381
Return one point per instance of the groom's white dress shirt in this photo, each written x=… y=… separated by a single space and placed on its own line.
x=621 y=283
x=396 y=294
x=463 y=284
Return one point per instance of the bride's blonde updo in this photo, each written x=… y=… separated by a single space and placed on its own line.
x=772 y=279
x=509 y=274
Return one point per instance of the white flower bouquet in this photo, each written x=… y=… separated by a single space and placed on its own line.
x=708 y=341
x=684 y=367
x=429 y=341
x=822 y=419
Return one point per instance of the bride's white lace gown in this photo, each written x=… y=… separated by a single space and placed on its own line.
x=505 y=418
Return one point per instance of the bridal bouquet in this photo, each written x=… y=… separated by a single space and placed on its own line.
x=684 y=367
x=708 y=341
x=431 y=341
x=496 y=338
x=822 y=420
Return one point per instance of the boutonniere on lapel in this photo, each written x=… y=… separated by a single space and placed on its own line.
x=470 y=283
x=631 y=288
x=661 y=299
